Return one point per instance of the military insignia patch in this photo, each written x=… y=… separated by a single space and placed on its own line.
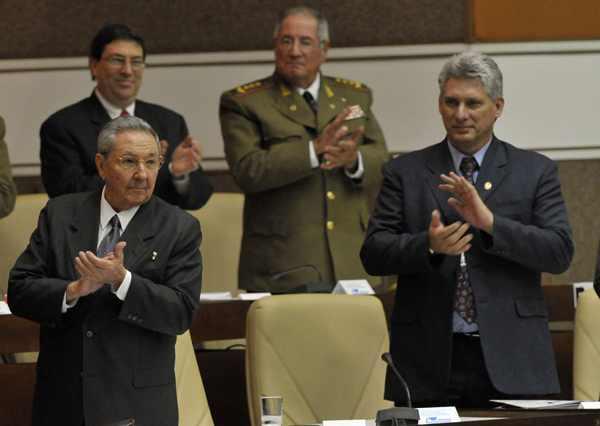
x=355 y=112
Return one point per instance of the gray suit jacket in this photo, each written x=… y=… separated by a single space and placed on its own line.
x=106 y=360
x=531 y=235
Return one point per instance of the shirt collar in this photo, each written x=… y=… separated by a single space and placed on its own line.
x=112 y=110
x=457 y=156
x=313 y=89
x=107 y=212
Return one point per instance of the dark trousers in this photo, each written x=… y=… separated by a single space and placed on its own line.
x=469 y=385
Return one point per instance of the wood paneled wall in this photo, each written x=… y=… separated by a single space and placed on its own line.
x=60 y=28
x=534 y=20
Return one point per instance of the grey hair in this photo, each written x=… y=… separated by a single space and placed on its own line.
x=468 y=65
x=110 y=131
x=322 y=25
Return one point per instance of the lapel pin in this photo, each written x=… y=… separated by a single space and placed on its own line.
x=154 y=255
x=343 y=99
x=332 y=106
x=293 y=107
x=487 y=186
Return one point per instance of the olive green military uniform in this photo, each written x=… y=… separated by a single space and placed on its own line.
x=296 y=215
x=8 y=192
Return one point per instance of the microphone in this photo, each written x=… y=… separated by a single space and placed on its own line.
x=310 y=287
x=397 y=416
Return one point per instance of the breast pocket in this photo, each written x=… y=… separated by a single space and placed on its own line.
x=283 y=131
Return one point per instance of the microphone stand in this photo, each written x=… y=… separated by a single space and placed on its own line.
x=397 y=416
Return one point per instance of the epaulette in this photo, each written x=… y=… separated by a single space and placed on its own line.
x=249 y=88
x=350 y=83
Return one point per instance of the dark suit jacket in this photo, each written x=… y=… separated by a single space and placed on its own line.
x=531 y=235
x=106 y=360
x=68 y=147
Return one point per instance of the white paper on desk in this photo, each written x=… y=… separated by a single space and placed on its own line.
x=589 y=405
x=253 y=296
x=432 y=415
x=579 y=288
x=539 y=404
x=345 y=423
x=4 y=309
x=353 y=287
x=216 y=295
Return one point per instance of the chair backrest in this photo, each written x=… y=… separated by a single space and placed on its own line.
x=15 y=231
x=320 y=352
x=221 y=221
x=586 y=347
x=191 y=398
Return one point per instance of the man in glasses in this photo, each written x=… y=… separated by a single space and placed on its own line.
x=307 y=151
x=117 y=62
x=112 y=276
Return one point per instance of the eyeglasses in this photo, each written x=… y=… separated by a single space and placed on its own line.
x=137 y=63
x=131 y=163
x=305 y=43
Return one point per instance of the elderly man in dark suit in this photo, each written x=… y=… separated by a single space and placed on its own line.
x=468 y=225
x=112 y=276
x=68 y=137
x=307 y=151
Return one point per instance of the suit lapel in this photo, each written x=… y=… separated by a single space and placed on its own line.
x=83 y=233
x=493 y=170
x=289 y=103
x=439 y=161
x=98 y=115
x=138 y=233
x=330 y=105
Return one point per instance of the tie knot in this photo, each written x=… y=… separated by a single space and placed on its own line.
x=124 y=113
x=310 y=100
x=468 y=166
x=114 y=222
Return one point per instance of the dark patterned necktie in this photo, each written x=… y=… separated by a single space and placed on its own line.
x=110 y=239
x=312 y=103
x=464 y=302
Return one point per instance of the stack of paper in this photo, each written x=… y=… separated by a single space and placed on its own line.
x=4 y=310
x=548 y=404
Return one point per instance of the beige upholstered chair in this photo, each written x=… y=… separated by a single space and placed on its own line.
x=586 y=347
x=191 y=398
x=320 y=352
x=15 y=230
x=221 y=221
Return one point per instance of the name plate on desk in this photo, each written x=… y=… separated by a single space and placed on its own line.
x=433 y=415
x=353 y=287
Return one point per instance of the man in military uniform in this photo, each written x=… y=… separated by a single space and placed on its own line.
x=307 y=151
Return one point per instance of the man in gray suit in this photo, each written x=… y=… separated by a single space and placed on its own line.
x=468 y=225
x=112 y=276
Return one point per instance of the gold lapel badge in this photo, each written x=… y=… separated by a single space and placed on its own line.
x=293 y=107
x=154 y=255
x=487 y=186
x=332 y=106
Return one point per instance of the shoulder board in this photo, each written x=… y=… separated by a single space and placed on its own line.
x=352 y=84
x=249 y=88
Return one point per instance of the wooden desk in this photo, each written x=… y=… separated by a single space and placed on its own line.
x=223 y=371
x=533 y=418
